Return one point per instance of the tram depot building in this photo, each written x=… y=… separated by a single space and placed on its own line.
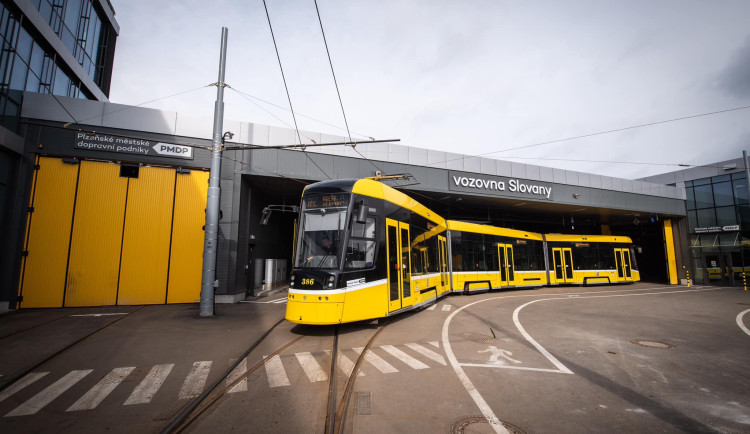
x=110 y=210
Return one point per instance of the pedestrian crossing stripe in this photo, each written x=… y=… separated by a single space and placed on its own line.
x=393 y=360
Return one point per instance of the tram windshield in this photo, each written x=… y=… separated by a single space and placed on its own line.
x=321 y=229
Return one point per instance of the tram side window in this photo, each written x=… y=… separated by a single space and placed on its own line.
x=472 y=252
x=585 y=257
x=360 y=253
x=457 y=261
x=521 y=257
x=633 y=263
x=536 y=256
x=606 y=256
x=418 y=259
x=433 y=255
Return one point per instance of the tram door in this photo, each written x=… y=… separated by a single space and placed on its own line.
x=562 y=261
x=507 y=264
x=443 y=263
x=622 y=258
x=399 y=265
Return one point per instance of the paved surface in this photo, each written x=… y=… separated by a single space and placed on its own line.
x=636 y=358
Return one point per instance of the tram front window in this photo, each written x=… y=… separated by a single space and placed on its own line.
x=319 y=238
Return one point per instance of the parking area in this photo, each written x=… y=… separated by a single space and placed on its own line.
x=635 y=358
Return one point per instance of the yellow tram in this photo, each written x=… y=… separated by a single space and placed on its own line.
x=590 y=259
x=364 y=250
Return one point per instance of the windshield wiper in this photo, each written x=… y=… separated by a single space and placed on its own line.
x=320 y=264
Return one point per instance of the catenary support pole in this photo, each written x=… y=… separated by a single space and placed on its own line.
x=208 y=280
x=747 y=174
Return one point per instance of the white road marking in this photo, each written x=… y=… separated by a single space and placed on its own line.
x=275 y=372
x=375 y=360
x=38 y=401
x=468 y=385
x=739 y=323
x=409 y=360
x=496 y=353
x=195 y=381
x=520 y=368
x=20 y=384
x=345 y=364
x=432 y=307
x=101 y=390
x=234 y=375
x=446 y=307
x=541 y=349
x=311 y=367
x=102 y=314
x=427 y=353
x=277 y=301
x=435 y=344
x=148 y=387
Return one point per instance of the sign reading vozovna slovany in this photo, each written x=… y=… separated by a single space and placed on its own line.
x=126 y=145
x=499 y=186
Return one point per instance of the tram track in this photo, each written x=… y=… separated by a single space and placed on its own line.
x=62 y=350
x=337 y=401
x=337 y=413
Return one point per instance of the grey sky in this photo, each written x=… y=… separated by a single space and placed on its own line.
x=471 y=77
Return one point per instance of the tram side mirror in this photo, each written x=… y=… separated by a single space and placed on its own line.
x=362 y=214
x=265 y=216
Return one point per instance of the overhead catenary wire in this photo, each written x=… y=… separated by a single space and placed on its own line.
x=297 y=113
x=330 y=62
x=599 y=133
x=242 y=95
x=288 y=96
x=137 y=105
x=338 y=92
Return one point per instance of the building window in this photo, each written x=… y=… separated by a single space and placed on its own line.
x=704 y=197
x=723 y=194
x=706 y=218
x=726 y=216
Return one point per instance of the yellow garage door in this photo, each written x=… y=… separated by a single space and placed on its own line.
x=186 y=264
x=97 y=236
x=146 y=237
x=48 y=233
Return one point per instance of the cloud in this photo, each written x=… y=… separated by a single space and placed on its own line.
x=735 y=78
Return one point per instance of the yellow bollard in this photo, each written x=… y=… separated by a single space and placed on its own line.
x=688 y=277
x=744 y=281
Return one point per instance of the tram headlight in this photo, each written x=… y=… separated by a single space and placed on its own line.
x=330 y=281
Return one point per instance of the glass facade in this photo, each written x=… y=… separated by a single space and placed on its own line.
x=719 y=220
x=28 y=64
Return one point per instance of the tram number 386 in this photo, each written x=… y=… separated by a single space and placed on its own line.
x=308 y=282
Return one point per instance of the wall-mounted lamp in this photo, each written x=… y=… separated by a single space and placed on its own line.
x=576 y=195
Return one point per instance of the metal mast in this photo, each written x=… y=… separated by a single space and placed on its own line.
x=208 y=280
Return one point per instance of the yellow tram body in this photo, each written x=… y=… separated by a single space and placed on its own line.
x=364 y=250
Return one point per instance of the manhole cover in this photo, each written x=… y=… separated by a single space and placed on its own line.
x=478 y=424
x=477 y=337
x=653 y=344
x=363 y=404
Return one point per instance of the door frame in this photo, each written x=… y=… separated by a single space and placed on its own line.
x=403 y=264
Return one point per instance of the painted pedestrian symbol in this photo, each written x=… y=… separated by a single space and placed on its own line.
x=496 y=353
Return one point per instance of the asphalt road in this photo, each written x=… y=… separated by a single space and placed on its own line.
x=636 y=358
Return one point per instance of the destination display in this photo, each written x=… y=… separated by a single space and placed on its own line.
x=327 y=201
x=500 y=186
